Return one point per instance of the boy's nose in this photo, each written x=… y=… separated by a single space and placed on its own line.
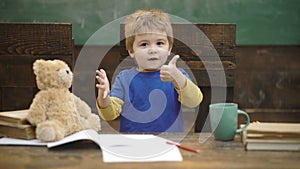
x=152 y=50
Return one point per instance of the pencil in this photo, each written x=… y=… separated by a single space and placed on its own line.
x=184 y=147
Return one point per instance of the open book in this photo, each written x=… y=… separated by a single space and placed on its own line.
x=116 y=147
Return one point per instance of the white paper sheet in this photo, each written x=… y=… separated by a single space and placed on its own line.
x=172 y=155
x=21 y=142
x=116 y=147
x=137 y=148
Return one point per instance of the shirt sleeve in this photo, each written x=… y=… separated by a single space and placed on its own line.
x=112 y=111
x=191 y=95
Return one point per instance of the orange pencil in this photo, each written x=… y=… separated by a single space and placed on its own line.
x=184 y=147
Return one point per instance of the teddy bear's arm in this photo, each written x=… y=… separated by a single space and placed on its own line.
x=37 y=110
x=87 y=118
x=83 y=108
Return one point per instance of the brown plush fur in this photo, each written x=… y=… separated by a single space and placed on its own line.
x=55 y=111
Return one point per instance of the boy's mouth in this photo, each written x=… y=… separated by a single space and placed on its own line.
x=153 y=59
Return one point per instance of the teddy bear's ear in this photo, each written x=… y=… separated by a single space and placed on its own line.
x=57 y=61
x=38 y=65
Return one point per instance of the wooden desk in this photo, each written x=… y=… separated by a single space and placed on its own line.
x=214 y=154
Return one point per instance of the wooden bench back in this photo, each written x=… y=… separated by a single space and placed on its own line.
x=20 y=45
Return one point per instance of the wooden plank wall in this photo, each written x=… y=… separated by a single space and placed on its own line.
x=264 y=80
x=20 y=45
x=267 y=82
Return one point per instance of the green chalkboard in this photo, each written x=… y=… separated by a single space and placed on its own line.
x=259 y=22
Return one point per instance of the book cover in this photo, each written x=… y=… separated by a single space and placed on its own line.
x=273 y=146
x=23 y=131
x=17 y=116
x=274 y=128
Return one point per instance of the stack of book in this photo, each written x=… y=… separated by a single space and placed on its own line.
x=272 y=136
x=15 y=125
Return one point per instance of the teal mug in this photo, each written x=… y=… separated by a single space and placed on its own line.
x=224 y=120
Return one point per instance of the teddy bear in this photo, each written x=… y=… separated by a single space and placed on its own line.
x=55 y=111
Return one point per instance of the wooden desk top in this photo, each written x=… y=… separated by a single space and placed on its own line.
x=214 y=154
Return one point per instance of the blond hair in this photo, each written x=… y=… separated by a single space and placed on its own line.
x=147 y=21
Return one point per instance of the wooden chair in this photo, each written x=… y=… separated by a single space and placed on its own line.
x=20 y=45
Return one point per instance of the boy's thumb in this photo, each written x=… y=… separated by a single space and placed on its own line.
x=174 y=60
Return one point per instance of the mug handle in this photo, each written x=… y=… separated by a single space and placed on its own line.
x=247 y=123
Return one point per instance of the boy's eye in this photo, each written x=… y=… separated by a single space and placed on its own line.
x=160 y=43
x=144 y=44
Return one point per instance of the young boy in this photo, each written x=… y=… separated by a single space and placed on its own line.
x=148 y=97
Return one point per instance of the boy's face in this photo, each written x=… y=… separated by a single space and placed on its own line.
x=150 y=51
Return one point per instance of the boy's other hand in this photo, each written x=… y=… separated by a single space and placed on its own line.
x=103 y=84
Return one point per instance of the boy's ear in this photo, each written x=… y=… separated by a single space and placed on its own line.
x=169 y=53
x=130 y=54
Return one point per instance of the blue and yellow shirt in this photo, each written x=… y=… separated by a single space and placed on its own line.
x=147 y=104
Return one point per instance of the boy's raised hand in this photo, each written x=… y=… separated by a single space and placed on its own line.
x=103 y=84
x=170 y=73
